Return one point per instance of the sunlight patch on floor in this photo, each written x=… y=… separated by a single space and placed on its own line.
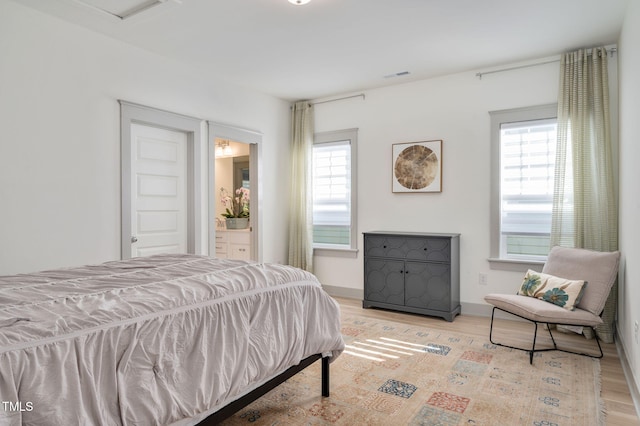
x=368 y=351
x=386 y=349
x=396 y=346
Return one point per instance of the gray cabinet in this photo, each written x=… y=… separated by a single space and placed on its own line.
x=412 y=272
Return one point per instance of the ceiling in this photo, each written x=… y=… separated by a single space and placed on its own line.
x=331 y=47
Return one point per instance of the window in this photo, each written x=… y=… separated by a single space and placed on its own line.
x=334 y=195
x=524 y=150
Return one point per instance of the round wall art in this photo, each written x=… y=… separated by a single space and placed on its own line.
x=417 y=166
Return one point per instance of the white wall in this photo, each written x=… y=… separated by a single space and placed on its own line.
x=60 y=143
x=453 y=108
x=629 y=295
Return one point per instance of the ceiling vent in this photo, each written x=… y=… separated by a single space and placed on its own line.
x=397 y=74
x=123 y=9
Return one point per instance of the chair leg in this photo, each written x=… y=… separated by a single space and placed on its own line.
x=535 y=336
x=555 y=347
x=493 y=311
x=533 y=348
x=595 y=334
x=551 y=335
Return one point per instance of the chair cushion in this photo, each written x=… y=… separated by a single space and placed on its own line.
x=600 y=269
x=559 y=291
x=541 y=311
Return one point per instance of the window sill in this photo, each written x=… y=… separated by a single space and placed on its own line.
x=515 y=265
x=335 y=252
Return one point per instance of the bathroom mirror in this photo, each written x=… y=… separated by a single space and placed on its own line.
x=241 y=172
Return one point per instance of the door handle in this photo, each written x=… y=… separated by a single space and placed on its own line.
x=134 y=239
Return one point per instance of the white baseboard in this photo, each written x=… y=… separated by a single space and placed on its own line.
x=484 y=310
x=347 y=293
x=474 y=309
x=628 y=375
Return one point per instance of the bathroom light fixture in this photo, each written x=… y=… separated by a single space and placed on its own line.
x=299 y=2
x=223 y=149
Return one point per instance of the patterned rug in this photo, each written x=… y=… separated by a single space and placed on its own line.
x=392 y=373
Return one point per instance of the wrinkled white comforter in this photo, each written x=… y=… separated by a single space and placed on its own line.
x=154 y=340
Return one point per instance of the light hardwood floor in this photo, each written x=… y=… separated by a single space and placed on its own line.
x=615 y=391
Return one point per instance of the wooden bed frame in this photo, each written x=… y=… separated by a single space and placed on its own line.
x=238 y=404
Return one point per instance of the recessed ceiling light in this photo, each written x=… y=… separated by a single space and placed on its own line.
x=299 y=2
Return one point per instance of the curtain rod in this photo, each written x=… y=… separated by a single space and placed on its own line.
x=339 y=99
x=480 y=74
x=611 y=50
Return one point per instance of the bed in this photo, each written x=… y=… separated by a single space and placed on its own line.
x=165 y=339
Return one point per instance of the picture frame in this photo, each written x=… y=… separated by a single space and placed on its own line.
x=417 y=166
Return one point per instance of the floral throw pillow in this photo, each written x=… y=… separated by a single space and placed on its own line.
x=559 y=291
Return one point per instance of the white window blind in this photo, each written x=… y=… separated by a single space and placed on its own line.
x=332 y=192
x=335 y=192
x=528 y=150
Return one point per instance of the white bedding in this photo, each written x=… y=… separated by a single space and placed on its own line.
x=153 y=340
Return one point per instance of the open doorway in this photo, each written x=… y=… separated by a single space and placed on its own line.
x=234 y=159
x=233 y=192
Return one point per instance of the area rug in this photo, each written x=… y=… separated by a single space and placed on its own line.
x=391 y=373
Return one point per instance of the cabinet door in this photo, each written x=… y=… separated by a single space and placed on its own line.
x=239 y=244
x=239 y=251
x=384 y=281
x=428 y=285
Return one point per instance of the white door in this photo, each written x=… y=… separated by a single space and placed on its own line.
x=158 y=191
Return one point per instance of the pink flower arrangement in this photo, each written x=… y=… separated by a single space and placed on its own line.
x=236 y=205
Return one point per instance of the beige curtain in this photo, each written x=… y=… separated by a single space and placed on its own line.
x=301 y=211
x=584 y=206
